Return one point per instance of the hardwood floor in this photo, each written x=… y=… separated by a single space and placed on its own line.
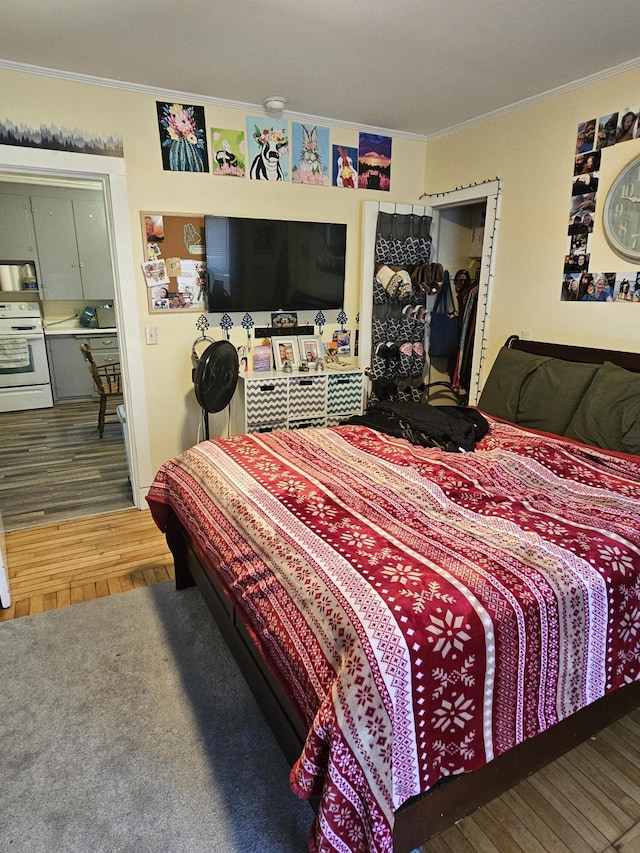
x=59 y=564
x=54 y=466
x=588 y=801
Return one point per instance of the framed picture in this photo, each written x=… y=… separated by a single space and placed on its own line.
x=310 y=349
x=285 y=351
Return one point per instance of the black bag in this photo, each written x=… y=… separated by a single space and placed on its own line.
x=454 y=429
x=444 y=335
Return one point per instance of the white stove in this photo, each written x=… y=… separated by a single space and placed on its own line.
x=24 y=369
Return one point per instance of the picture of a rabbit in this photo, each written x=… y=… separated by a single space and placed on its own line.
x=310 y=153
x=311 y=147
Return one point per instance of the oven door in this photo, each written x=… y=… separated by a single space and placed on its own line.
x=23 y=360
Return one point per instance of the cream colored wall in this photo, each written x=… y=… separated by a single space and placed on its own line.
x=532 y=151
x=173 y=413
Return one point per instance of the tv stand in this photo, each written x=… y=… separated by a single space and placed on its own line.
x=267 y=401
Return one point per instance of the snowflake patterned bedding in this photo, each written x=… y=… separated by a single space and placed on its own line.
x=425 y=611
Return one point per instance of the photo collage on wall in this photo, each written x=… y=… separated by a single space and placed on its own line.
x=174 y=272
x=580 y=283
x=271 y=149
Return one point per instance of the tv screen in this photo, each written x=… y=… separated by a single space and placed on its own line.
x=274 y=265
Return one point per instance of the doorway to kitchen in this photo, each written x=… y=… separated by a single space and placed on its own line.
x=91 y=466
x=54 y=464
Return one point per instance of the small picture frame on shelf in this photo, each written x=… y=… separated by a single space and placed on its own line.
x=310 y=347
x=285 y=353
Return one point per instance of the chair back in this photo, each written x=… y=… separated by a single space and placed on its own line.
x=106 y=377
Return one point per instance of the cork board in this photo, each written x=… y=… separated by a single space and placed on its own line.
x=174 y=266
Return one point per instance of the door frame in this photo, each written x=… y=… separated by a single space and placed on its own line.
x=111 y=173
x=489 y=192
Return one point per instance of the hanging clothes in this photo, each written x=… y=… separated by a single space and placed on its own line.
x=467 y=293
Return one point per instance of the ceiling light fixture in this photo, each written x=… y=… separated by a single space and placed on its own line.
x=274 y=103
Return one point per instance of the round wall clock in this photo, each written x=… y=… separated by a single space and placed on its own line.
x=621 y=218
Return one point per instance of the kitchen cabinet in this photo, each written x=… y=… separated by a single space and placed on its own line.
x=70 y=375
x=17 y=235
x=73 y=247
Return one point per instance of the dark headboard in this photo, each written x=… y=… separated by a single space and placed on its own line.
x=628 y=360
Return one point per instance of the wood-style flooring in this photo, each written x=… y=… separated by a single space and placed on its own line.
x=54 y=465
x=588 y=801
x=56 y=565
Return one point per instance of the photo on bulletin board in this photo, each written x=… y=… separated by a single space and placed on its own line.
x=174 y=270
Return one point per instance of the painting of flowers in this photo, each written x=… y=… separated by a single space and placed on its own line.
x=183 y=138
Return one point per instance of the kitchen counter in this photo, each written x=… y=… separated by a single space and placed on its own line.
x=74 y=328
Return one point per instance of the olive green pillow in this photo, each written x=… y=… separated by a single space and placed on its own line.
x=501 y=391
x=609 y=414
x=551 y=394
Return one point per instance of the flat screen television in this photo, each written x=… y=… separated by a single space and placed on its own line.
x=274 y=264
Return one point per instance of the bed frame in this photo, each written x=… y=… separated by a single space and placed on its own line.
x=628 y=360
x=453 y=798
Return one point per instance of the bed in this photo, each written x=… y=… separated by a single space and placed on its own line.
x=423 y=629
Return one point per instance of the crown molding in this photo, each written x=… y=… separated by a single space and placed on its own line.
x=190 y=97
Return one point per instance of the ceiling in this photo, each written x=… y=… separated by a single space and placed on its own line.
x=412 y=66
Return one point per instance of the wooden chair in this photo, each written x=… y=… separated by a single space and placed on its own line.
x=108 y=381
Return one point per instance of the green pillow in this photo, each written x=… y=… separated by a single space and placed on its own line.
x=551 y=394
x=609 y=414
x=501 y=391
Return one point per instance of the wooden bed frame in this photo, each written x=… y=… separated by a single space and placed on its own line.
x=453 y=798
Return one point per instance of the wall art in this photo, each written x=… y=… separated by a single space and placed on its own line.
x=310 y=154
x=268 y=141
x=228 y=152
x=183 y=139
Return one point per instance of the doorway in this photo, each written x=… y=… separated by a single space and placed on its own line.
x=464 y=231
x=452 y=214
x=109 y=172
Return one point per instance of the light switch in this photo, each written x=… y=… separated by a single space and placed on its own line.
x=151 y=334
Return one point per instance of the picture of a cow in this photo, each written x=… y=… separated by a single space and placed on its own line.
x=266 y=163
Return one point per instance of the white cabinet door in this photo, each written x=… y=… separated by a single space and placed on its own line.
x=17 y=237
x=73 y=247
x=70 y=375
x=57 y=247
x=93 y=249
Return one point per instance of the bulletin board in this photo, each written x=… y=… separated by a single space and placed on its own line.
x=174 y=266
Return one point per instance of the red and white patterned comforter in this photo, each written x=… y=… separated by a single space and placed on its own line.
x=427 y=611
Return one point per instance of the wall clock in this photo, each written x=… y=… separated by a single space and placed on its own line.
x=621 y=218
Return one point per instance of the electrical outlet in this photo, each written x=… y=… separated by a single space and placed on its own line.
x=151 y=334
x=525 y=335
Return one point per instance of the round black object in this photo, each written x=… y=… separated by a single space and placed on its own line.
x=216 y=376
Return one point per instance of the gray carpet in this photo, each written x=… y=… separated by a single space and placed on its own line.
x=126 y=726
